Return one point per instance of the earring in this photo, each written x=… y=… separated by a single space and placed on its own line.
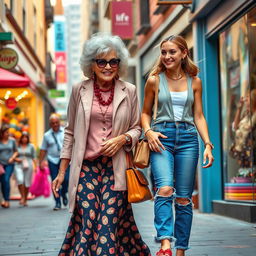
x=93 y=76
x=117 y=77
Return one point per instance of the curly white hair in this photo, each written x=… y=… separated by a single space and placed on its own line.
x=100 y=44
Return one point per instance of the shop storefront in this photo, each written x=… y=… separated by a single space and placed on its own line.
x=238 y=98
x=20 y=106
x=227 y=36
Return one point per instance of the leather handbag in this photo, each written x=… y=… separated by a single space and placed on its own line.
x=141 y=154
x=142 y=150
x=137 y=184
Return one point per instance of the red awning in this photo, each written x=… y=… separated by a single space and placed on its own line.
x=9 y=79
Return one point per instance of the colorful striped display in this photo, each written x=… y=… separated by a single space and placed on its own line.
x=240 y=191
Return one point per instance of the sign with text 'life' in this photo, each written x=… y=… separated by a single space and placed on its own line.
x=122 y=20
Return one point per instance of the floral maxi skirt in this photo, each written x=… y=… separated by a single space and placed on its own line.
x=102 y=222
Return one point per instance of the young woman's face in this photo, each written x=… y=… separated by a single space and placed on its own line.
x=6 y=134
x=106 y=72
x=171 y=55
x=24 y=140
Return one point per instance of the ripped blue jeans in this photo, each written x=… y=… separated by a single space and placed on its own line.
x=175 y=167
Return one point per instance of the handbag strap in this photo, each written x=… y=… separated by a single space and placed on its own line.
x=156 y=97
x=56 y=141
x=129 y=162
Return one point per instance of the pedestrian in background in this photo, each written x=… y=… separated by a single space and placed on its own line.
x=8 y=152
x=103 y=124
x=173 y=140
x=24 y=167
x=51 y=146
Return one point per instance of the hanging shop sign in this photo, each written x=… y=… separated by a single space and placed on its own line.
x=11 y=103
x=6 y=37
x=122 y=22
x=61 y=67
x=174 y=1
x=59 y=31
x=56 y=93
x=8 y=58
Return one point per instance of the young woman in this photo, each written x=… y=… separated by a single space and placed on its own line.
x=8 y=152
x=25 y=164
x=103 y=124
x=173 y=141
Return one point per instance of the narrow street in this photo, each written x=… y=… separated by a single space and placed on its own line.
x=38 y=230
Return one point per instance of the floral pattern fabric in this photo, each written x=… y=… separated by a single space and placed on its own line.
x=102 y=223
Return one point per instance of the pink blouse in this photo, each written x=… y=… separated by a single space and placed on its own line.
x=100 y=128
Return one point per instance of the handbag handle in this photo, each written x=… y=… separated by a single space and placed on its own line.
x=129 y=162
x=156 y=98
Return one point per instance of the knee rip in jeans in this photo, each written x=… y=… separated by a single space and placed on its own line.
x=165 y=191
x=183 y=201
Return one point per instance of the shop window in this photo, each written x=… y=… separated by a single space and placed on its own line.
x=144 y=18
x=238 y=99
x=12 y=7
x=24 y=17
x=35 y=29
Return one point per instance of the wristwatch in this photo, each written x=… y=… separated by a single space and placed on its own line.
x=127 y=139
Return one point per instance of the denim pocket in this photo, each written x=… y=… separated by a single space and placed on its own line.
x=158 y=128
x=191 y=130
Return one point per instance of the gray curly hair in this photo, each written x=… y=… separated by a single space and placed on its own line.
x=100 y=44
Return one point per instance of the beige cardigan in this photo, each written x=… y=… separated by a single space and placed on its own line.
x=126 y=119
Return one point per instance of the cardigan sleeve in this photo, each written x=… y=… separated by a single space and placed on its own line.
x=66 y=151
x=135 y=124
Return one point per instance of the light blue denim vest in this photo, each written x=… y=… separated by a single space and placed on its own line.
x=165 y=110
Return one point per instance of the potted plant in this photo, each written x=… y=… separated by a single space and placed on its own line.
x=244 y=175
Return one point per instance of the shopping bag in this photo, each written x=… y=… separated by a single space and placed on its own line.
x=2 y=170
x=41 y=185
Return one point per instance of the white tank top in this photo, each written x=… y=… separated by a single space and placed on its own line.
x=178 y=103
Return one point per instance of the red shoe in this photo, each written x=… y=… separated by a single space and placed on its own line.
x=160 y=253
x=167 y=252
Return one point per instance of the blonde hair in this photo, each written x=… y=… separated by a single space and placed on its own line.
x=187 y=64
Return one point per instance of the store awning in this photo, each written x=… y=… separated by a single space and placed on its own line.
x=9 y=79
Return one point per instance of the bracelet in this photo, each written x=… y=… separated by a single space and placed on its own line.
x=147 y=131
x=208 y=143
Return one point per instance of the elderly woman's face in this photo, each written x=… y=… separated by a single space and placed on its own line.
x=106 y=67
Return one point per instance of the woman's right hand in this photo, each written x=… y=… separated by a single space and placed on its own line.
x=154 y=142
x=57 y=183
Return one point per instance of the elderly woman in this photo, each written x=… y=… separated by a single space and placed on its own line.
x=103 y=124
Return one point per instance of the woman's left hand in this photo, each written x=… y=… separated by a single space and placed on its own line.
x=11 y=160
x=111 y=146
x=208 y=156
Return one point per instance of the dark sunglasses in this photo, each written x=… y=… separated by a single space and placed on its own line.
x=102 y=63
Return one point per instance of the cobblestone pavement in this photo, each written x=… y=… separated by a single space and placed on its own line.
x=38 y=230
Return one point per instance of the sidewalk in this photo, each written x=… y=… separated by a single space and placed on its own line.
x=38 y=230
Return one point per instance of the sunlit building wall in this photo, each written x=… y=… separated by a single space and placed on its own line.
x=72 y=13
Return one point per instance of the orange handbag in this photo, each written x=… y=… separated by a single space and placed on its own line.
x=137 y=184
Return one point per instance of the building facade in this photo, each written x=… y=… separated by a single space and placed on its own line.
x=224 y=36
x=27 y=22
x=72 y=15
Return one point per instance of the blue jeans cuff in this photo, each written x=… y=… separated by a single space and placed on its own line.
x=171 y=238
x=181 y=247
